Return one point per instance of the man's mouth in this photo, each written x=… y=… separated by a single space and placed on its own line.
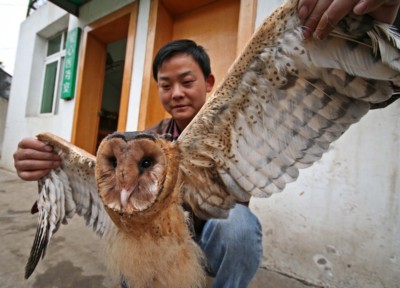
x=179 y=106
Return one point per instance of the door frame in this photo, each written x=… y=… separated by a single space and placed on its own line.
x=161 y=21
x=91 y=70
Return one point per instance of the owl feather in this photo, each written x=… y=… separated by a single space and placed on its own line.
x=282 y=103
x=64 y=192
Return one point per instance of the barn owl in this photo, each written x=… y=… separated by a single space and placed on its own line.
x=282 y=103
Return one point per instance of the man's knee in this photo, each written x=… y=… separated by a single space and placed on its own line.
x=241 y=230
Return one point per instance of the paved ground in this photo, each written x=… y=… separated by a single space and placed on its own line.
x=74 y=257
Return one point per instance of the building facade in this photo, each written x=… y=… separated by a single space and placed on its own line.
x=82 y=77
x=5 y=84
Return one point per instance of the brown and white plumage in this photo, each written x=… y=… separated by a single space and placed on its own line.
x=64 y=192
x=280 y=106
x=136 y=177
x=282 y=103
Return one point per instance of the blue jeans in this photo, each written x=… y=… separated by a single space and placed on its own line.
x=233 y=248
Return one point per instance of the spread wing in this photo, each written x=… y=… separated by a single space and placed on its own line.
x=283 y=102
x=64 y=192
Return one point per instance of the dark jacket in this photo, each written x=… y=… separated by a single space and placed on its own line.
x=165 y=126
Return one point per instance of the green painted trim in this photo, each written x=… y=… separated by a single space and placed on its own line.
x=70 y=64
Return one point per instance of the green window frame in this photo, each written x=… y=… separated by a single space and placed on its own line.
x=53 y=68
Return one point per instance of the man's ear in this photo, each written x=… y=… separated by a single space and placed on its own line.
x=210 y=81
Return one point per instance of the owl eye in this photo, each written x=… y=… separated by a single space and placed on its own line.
x=113 y=161
x=145 y=163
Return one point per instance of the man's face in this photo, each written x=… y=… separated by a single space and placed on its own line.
x=182 y=88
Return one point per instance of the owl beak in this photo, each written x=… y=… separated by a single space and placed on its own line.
x=125 y=194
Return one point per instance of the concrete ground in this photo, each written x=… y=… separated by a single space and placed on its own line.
x=74 y=256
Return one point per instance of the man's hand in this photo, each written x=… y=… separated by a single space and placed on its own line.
x=33 y=159
x=321 y=16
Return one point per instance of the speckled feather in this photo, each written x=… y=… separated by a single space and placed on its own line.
x=64 y=192
x=155 y=234
x=281 y=105
x=284 y=100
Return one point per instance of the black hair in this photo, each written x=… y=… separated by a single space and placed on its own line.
x=184 y=46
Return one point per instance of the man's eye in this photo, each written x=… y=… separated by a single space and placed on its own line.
x=165 y=86
x=188 y=82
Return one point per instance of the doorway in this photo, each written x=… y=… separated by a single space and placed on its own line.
x=112 y=88
x=223 y=27
x=104 y=77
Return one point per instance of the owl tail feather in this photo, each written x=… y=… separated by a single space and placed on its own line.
x=40 y=242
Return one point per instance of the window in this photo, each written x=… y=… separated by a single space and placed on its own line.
x=54 y=63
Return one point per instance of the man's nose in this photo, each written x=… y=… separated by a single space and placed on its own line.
x=177 y=91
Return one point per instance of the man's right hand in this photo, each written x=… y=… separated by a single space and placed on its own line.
x=34 y=159
x=321 y=16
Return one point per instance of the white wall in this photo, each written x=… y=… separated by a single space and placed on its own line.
x=138 y=66
x=264 y=8
x=338 y=225
x=3 y=115
x=22 y=121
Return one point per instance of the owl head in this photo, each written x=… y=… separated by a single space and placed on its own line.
x=136 y=174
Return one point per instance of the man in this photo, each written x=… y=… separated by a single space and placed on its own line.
x=233 y=246
x=34 y=160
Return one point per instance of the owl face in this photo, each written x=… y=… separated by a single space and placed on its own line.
x=130 y=170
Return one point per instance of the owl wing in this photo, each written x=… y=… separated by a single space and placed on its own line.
x=282 y=103
x=64 y=192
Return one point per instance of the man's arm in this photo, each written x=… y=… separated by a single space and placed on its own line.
x=321 y=16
